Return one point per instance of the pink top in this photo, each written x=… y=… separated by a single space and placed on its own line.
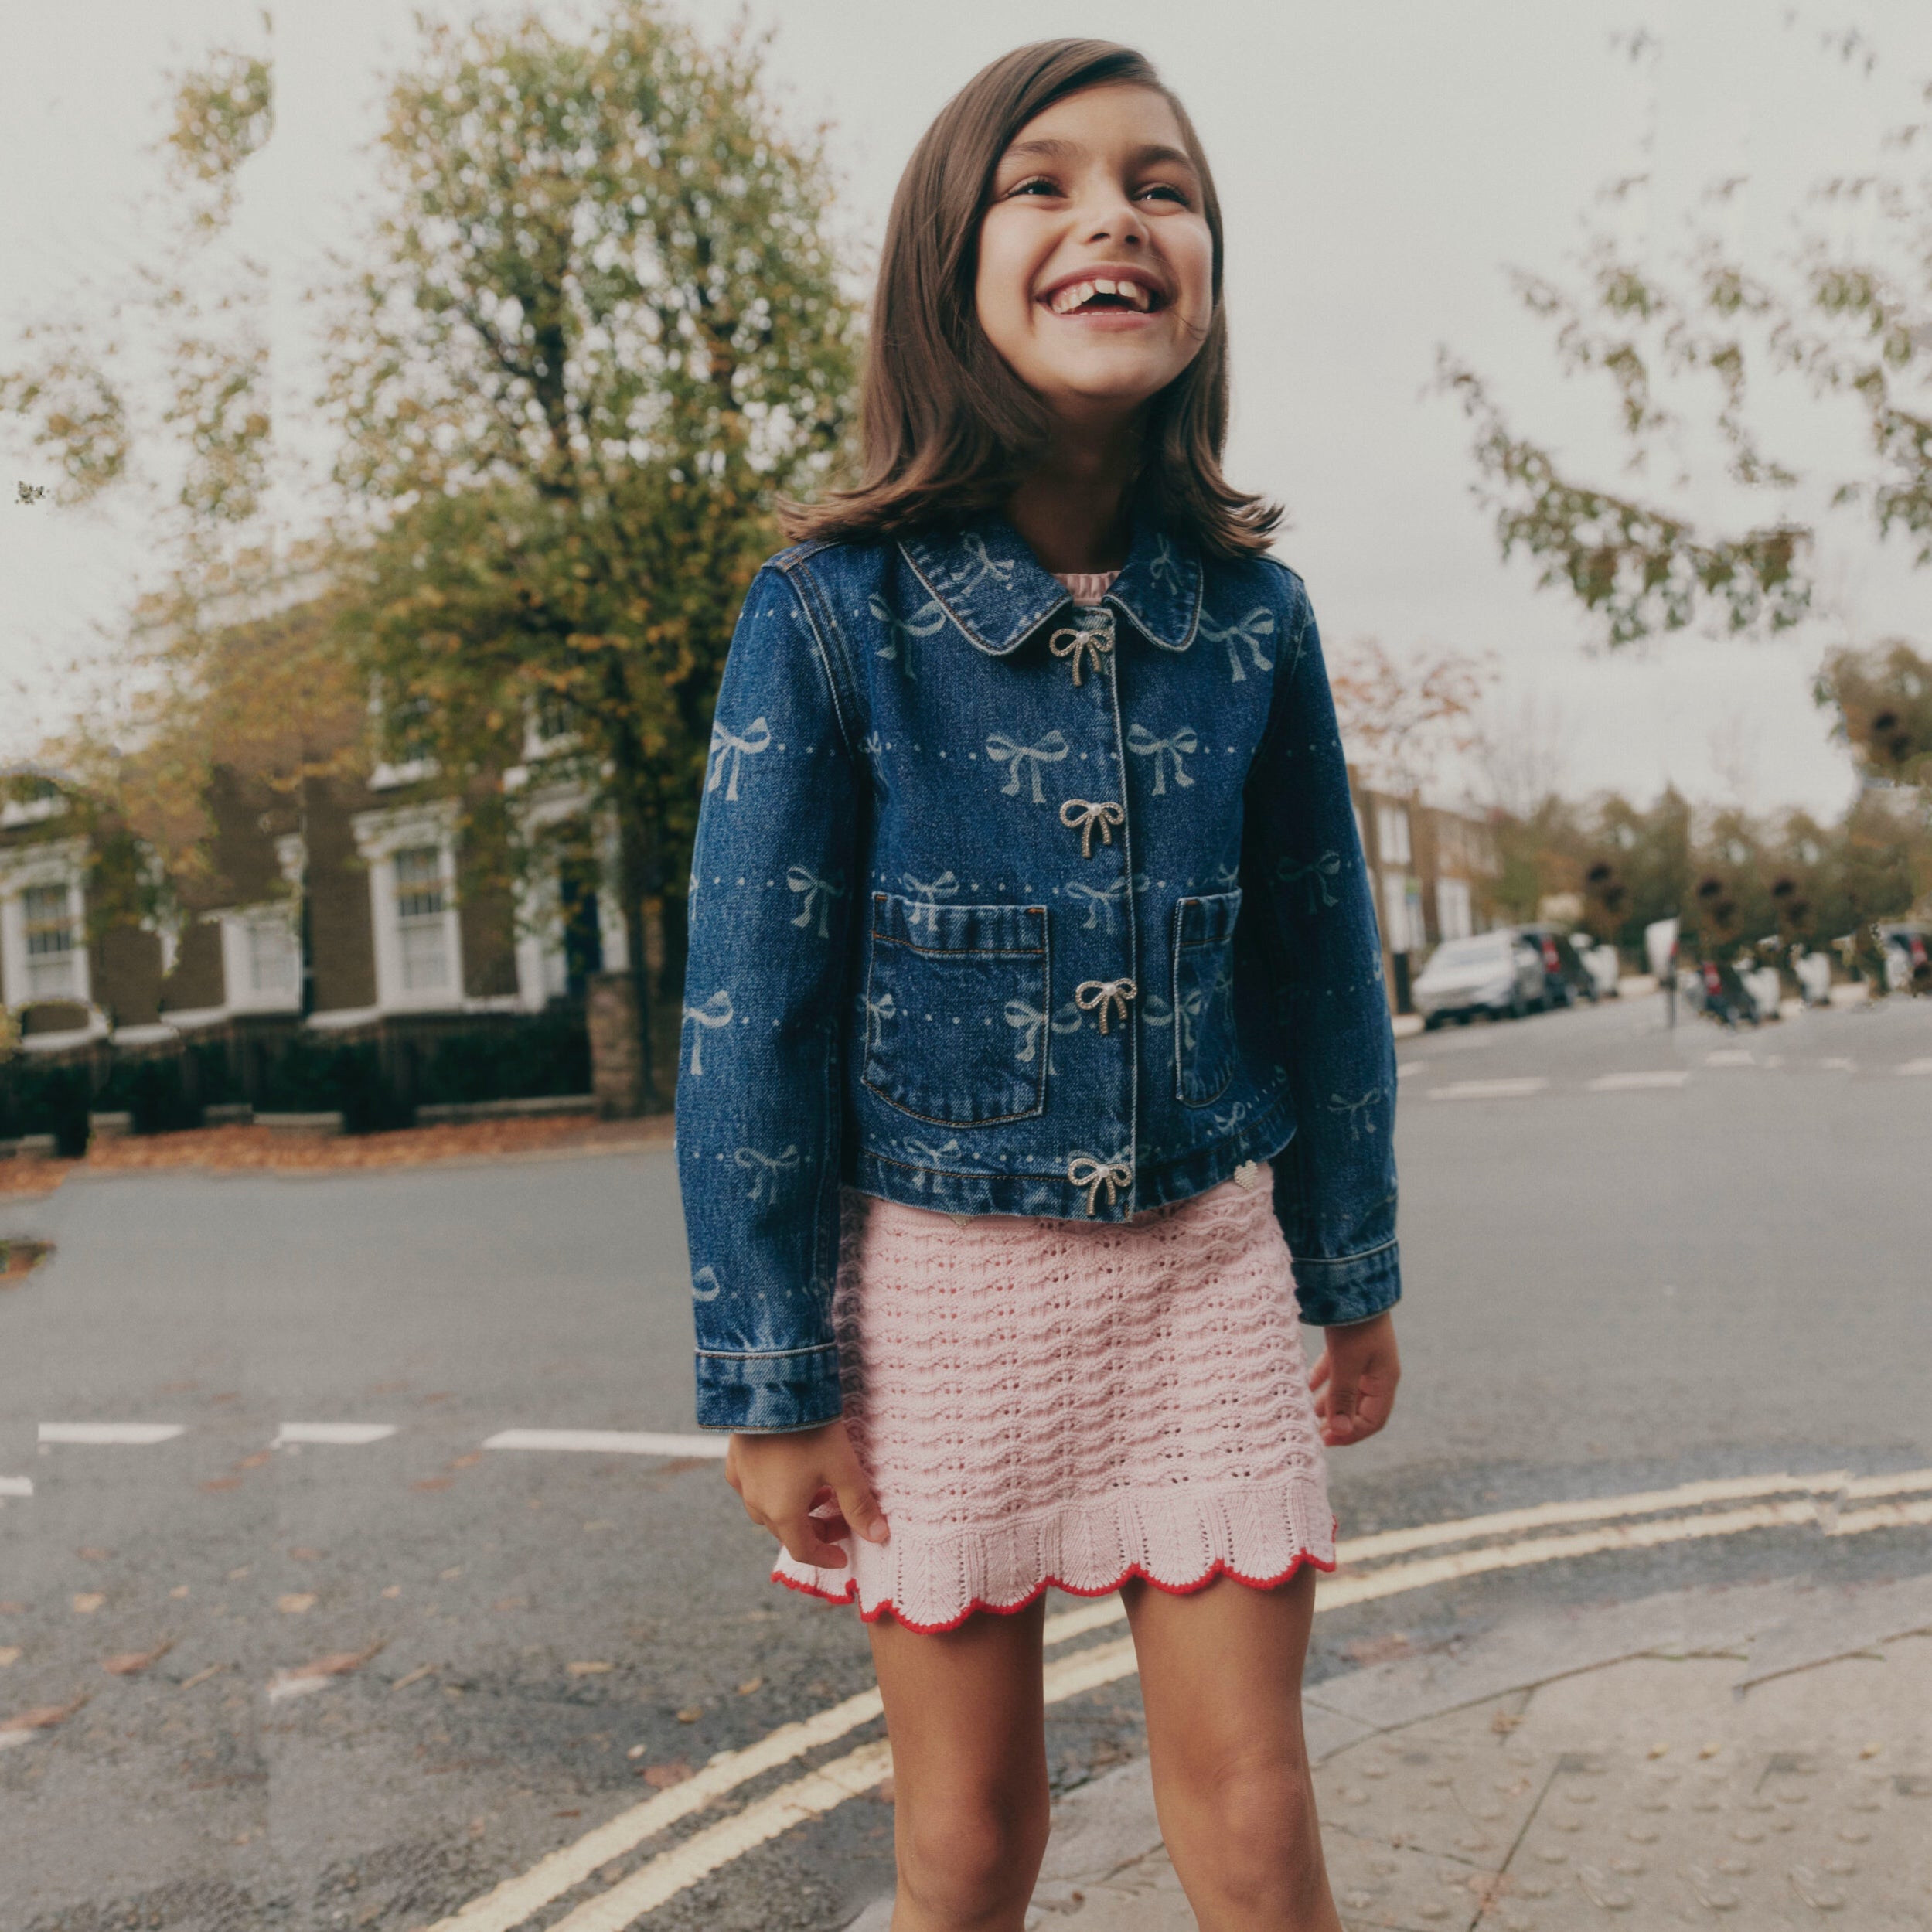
x=1088 y=587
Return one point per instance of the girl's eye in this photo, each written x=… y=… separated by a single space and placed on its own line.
x=1034 y=185
x=1167 y=190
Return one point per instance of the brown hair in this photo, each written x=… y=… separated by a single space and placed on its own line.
x=945 y=429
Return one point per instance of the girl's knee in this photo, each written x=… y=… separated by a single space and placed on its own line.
x=970 y=1859
x=1245 y=1828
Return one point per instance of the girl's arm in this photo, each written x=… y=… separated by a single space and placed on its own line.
x=1335 y=1182
x=774 y=880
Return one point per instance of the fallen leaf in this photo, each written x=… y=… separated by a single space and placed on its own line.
x=88 y=1601
x=9 y=1653
x=588 y=1670
x=750 y=1684
x=470 y=1461
x=296 y=1601
x=180 y=1589
x=235 y=1576
x=132 y=1663
x=201 y=1676
x=1380 y=1650
x=661 y=1777
x=449 y=1575
x=93 y=1553
x=255 y=1461
x=302 y=1679
x=434 y=1482
x=42 y=1716
x=303 y=1556
x=1503 y=1722
x=511 y=1604
x=691 y=1714
x=413 y=1677
x=222 y=1482
x=392 y=1589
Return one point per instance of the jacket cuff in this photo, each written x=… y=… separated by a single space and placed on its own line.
x=1355 y=1288
x=770 y=1392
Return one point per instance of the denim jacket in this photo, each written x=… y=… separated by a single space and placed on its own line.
x=999 y=905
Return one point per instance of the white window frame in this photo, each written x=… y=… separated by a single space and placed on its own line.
x=540 y=964
x=61 y=863
x=1392 y=843
x=1455 y=918
x=380 y=836
x=241 y=925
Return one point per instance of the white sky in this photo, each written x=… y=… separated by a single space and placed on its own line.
x=1381 y=164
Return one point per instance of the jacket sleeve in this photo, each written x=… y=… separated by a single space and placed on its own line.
x=1335 y=1181
x=774 y=881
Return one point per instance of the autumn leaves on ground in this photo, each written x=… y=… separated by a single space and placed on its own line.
x=236 y=1149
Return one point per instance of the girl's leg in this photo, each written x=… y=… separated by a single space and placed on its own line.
x=1221 y=1677
x=967 y=1721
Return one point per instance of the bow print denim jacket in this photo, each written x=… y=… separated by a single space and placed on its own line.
x=1002 y=906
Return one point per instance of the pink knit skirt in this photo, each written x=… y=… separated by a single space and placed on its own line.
x=1074 y=1403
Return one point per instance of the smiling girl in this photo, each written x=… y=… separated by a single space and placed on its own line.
x=1039 y=1059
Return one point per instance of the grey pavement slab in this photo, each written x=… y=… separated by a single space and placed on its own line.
x=1655 y=1768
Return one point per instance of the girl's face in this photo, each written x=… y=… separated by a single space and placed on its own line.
x=1096 y=266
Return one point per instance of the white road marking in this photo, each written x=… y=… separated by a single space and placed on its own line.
x=610 y=1442
x=138 y=1433
x=515 y=1900
x=1730 y=1057
x=1910 y=1067
x=350 y=1435
x=816 y=1793
x=1407 y=1067
x=1838 y=1064
x=1489 y=1089
x=16 y=1485
x=1635 y=1082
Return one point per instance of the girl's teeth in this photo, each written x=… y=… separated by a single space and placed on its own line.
x=1105 y=288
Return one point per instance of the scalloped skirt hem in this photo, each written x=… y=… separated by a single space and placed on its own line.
x=800 y=1582
x=1178 y=1539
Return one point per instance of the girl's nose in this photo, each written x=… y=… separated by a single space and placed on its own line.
x=1114 y=218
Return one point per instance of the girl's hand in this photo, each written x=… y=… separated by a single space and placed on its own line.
x=1354 y=1381
x=781 y=1480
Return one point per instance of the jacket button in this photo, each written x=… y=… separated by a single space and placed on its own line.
x=1082 y=815
x=1110 y=996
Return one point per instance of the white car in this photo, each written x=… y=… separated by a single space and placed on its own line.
x=1494 y=972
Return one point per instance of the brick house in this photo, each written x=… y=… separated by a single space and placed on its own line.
x=1432 y=872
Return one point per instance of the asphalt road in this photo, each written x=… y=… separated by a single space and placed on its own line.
x=1615 y=1284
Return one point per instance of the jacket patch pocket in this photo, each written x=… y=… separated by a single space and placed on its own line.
x=1205 y=1047
x=955 y=998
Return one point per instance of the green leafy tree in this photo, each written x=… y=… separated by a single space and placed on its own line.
x=1691 y=346
x=597 y=327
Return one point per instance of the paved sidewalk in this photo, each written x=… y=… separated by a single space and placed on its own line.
x=1758 y=1757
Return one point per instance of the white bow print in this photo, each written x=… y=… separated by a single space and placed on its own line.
x=927 y=618
x=1142 y=743
x=1026 y=1019
x=1356 y=1110
x=818 y=891
x=715 y=1012
x=769 y=1167
x=727 y=745
x=1259 y=623
x=1102 y=900
x=1004 y=750
x=999 y=568
x=935 y=1156
x=927 y=912
x=1317 y=872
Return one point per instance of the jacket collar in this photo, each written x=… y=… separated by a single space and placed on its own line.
x=990 y=585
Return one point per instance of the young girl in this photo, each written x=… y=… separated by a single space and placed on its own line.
x=1034 y=997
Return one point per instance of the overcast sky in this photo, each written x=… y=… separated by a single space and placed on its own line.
x=1382 y=164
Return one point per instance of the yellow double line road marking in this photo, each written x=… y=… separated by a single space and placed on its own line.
x=1821 y=1501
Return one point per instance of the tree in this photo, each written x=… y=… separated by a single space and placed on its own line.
x=1883 y=698
x=1691 y=349
x=599 y=328
x=1399 y=720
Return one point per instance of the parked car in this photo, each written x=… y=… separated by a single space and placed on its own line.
x=1498 y=973
x=1566 y=975
x=1908 y=956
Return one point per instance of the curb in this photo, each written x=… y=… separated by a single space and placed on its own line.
x=1108 y=1824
